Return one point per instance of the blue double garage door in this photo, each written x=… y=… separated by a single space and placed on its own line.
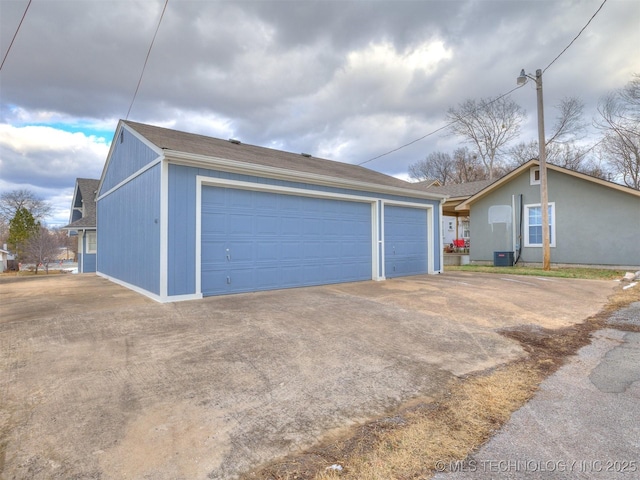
x=260 y=240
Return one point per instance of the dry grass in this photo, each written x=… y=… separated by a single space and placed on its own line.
x=445 y=431
x=409 y=444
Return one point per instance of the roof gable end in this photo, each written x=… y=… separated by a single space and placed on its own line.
x=533 y=163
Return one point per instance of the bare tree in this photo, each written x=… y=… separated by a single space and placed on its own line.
x=467 y=166
x=461 y=167
x=522 y=152
x=620 y=124
x=437 y=166
x=568 y=155
x=561 y=146
x=43 y=248
x=488 y=125
x=11 y=202
x=569 y=124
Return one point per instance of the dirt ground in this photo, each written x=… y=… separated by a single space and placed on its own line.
x=97 y=381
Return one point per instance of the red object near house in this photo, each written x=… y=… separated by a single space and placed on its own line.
x=458 y=243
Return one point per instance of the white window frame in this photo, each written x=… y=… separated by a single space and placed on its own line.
x=532 y=176
x=88 y=242
x=552 y=222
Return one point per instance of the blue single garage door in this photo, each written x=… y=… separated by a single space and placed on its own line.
x=263 y=241
x=405 y=241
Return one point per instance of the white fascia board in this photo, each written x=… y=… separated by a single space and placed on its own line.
x=148 y=166
x=234 y=166
x=164 y=229
x=73 y=201
x=114 y=142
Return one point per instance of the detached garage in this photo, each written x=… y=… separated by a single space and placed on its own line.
x=182 y=216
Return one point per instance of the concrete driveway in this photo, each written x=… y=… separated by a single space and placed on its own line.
x=99 y=382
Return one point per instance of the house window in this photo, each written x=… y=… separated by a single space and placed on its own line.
x=91 y=242
x=534 y=176
x=533 y=225
x=466 y=233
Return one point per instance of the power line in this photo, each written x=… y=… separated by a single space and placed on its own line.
x=135 y=94
x=576 y=37
x=496 y=99
x=445 y=126
x=15 y=35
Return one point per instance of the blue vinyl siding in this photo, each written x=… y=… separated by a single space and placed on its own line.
x=129 y=232
x=86 y=261
x=128 y=156
x=262 y=240
x=405 y=238
x=89 y=263
x=182 y=231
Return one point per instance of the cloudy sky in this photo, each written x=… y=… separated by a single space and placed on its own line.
x=345 y=80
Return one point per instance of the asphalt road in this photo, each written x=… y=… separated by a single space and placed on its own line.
x=584 y=422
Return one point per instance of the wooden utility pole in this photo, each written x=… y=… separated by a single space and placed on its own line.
x=544 y=195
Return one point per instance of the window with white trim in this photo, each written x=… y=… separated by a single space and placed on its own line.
x=91 y=239
x=533 y=225
x=534 y=176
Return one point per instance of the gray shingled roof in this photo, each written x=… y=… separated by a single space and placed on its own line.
x=456 y=190
x=87 y=188
x=213 y=147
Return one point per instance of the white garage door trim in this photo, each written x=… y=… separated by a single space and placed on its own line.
x=237 y=184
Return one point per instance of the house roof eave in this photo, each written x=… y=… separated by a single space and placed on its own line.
x=234 y=166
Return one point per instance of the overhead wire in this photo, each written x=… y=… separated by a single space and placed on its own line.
x=135 y=94
x=494 y=100
x=445 y=126
x=576 y=37
x=15 y=35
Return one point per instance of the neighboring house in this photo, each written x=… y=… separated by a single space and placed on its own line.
x=82 y=222
x=455 y=224
x=182 y=216
x=592 y=221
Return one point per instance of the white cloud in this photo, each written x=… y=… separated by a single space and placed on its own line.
x=343 y=80
x=47 y=161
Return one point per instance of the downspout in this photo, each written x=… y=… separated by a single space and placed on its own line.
x=513 y=227
x=519 y=237
x=442 y=200
x=82 y=249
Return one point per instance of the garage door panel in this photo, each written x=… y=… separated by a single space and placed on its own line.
x=267 y=203
x=405 y=238
x=240 y=198
x=290 y=226
x=311 y=226
x=217 y=223
x=268 y=251
x=291 y=250
x=277 y=241
x=291 y=275
x=266 y=225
